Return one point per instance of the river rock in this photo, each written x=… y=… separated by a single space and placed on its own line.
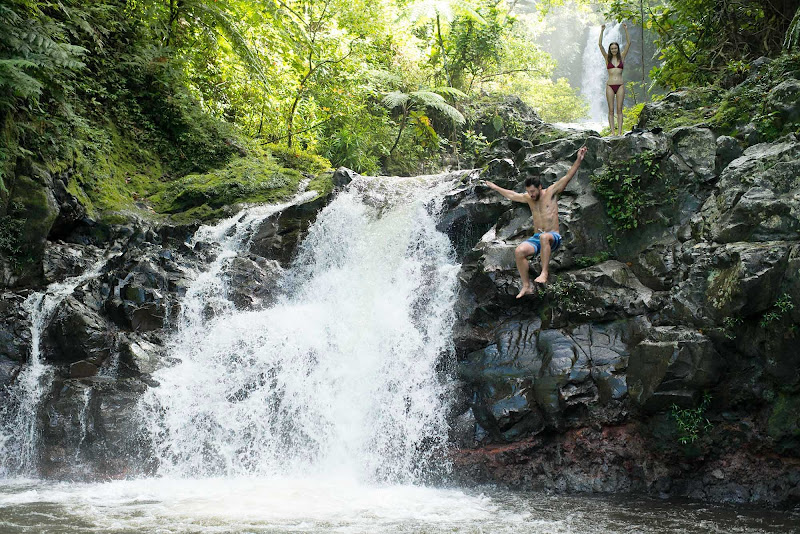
x=278 y=236
x=94 y=430
x=64 y=260
x=252 y=281
x=531 y=378
x=343 y=176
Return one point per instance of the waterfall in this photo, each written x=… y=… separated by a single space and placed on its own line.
x=593 y=80
x=340 y=376
x=19 y=417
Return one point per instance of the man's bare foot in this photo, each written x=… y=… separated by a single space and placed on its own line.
x=526 y=290
x=541 y=279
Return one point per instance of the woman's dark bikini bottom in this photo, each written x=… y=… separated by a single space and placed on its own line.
x=615 y=88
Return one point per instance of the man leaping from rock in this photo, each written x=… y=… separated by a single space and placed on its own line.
x=544 y=208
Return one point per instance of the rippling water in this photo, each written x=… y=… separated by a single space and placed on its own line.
x=346 y=506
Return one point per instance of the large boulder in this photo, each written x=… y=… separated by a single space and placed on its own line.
x=94 y=430
x=758 y=196
x=728 y=281
x=672 y=366
x=75 y=332
x=278 y=236
x=529 y=379
x=697 y=147
x=252 y=281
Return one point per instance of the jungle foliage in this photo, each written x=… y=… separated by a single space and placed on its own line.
x=130 y=96
x=197 y=81
x=711 y=42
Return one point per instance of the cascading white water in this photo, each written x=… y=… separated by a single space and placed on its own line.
x=338 y=378
x=19 y=425
x=593 y=80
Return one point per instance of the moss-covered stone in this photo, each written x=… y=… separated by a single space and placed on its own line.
x=248 y=179
x=743 y=111
x=114 y=175
x=784 y=423
x=26 y=226
x=294 y=158
x=724 y=286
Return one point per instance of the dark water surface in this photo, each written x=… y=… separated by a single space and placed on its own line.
x=341 y=505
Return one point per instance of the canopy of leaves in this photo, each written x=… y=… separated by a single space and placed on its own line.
x=371 y=84
x=705 y=42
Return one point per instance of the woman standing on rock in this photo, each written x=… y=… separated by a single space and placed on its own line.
x=615 y=87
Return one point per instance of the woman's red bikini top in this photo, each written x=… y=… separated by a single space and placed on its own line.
x=611 y=66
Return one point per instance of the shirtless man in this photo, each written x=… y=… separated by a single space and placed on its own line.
x=544 y=208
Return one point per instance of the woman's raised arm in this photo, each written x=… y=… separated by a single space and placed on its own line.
x=627 y=38
x=600 y=42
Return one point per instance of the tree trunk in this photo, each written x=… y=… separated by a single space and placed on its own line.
x=402 y=127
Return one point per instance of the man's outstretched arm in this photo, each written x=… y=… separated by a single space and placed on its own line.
x=561 y=184
x=510 y=195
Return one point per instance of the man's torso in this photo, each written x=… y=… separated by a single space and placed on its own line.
x=545 y=212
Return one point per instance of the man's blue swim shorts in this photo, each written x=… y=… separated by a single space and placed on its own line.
x=538 y=245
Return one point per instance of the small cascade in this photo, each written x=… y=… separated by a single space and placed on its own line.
x=232 y=236
x=19 y=418
x=593 y=80
x=340 y=376
x=83 y=421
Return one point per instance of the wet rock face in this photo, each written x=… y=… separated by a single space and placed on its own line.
x=253 y=281
x=106 y=338
x=698 y=300
x=93 y=428
x=75 y=332
x=278 y=236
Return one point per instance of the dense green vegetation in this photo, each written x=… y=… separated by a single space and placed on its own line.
x=182 y=106
x=140 y=99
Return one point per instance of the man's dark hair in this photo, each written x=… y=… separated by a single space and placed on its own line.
x=533 y=181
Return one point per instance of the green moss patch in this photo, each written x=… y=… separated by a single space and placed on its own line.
x=294 y=158
x=249 y=179
x=116 y=176
x=113 y=174
x=784 y=422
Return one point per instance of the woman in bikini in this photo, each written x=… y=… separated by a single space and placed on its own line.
x=615 y=87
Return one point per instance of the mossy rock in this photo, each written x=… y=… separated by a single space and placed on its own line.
x=784 y=423
x=24 y=228
x=250 y=179
x=744 y=111
x=113 y=177
x=294 y=158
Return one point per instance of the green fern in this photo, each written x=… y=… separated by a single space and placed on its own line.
x=416 y=102
x=793 y=33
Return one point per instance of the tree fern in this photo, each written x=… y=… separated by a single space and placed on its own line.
x=396 y=99
x=216 y=17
